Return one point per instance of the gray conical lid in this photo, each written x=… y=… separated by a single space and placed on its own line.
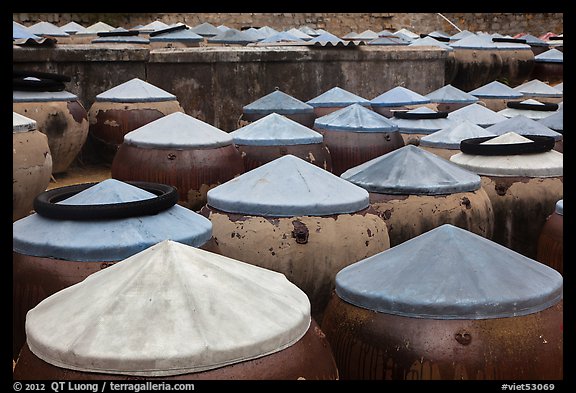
x=308 y=30
x=268 y=31
x=477 y=114
x=496 y=89
x=407 y=33
x=109 y=239
x=538 y=88
x=422 y=126
x=355 y=118
x=171 y=309
x=412 y=170
x=450 y=273
x=451 y=94
x=186 y=35
x=298 y=33
x=529 y=113
x=388 y=40
x=47 y=28
x=555 y=121
x=232 y=36
x=460 y=35
x=178 y=131
x=20 y=32
x=206 y=30
x=337 y=96
x=72 y=27
x=128 y=39
x=97 y=28
x=275 y=130
x=550 y=56
x=524 y=126
x=42 y=96
x=153 y=26
x=478 y=42
x=546 y=164
x=450 y=137
x=135 y=90
x=533 y=40
x=286 y=187
x=22 y=123
x=278 y=102
x=429 y=41
x=559 y=86
x=282 y=36
x=399 y=96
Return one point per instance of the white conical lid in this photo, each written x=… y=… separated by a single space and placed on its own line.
x=547 y=164
x=178 y=130
x=22 y=123
x=537 y=88
x=477 y=114
x=168 y=310
x=450 y=137
x=135 y=90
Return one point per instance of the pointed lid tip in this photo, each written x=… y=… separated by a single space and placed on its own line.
x=135 y=90
x=356 y=118
x=279 y=102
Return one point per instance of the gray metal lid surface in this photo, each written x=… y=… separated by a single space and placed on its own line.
x=47 y=29
x=408 y=33
x=477 y=42
x=450 y=273
x=178 y=36
x=177 y=130
x=559 y=87
x=128 y=39
x=399 y=96
x=451 y=94
x=477 y=114
x=20 y=32
x=135 y=90
x=546 y=164
x=460 y=35
x=278 y=102
x=72 y=27
x=286 y=187
x=153 y=26
x=388 y=40
x=429 y=41
x=538 y=88
x=206 y=30
x=522 y=125
x=170 y=309
x=555 y=121
x=533 y=40
x=356 y=118
x=275 y=130
x=422 y=126
x=338 y=97
x=22 y=123
x=268 y=31
x=232 y=36
x=560 y=207
x=96 y=28
x=529 y=113
x=299 y=33
x=42 y=96
x=107 y=240
x=282 y=36
x=496 y=89
x=450 y=137
x=550 y=56
x=412 y=170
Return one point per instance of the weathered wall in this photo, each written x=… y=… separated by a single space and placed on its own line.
x=336 y=23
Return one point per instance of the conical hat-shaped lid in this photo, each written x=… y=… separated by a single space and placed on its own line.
x=429 y=41
x=528 y=111
x=522 y=125
x=550 y=56
x=42 y=96
x=496 y=89
x=555 y=121
x=399 y=96
x=356 y=118
x=477 y=114
x=537 y=88
x=72 y=27
x=546 y=164
x=450 y=273
x=171 y=309
x=47 y=28
x=97 y=28
x=232 y=36
x=135 y=90
x=206 y=29
x=478 y=42
x=412 y=170
x=337 y=96
x=450 y=137
x=278 y=102
x=423 y=126
x=22 y=123
x=178 y=130
x=286 y=187
x=186 y=35
x=451 y=94
x=275 y=130
x=107 y=239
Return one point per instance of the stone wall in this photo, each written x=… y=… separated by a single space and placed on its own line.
x=336 y=23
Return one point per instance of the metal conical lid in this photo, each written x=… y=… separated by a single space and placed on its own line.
x=282 y=36
x=47 y=28
x=186 y=35
x=460 y=35
x=278 y=102
x=171 y=309
x=22 y=123
x=451 y=94
x=538 y=88
x=135 y=90
x=547 y=164
x=555 y=121
x=450 y=137
x=412 y=170
x=355 y=118
x=524 y=126
x=128 y=39
x=154 y=25
x=477 y=114
x=407 y=33
x=232 y=36
x=109 y=239
x=399 y=96
x=337 y=96
x=450 y=273
x=178 y=130
x=478 y=42
x=429 y=41
x=97 y=28
x=388 y=40
x=206 y=30
x=42 y=96
x=528 y=112
x=300 y=34
x=275 y=130
x=286 y=187
x=550 y=56
x=72 y=27
x=22 y=32
x=424 y=126
x=496 y=89
x=533 y=40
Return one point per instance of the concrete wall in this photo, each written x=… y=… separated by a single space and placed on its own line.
x=214 y=83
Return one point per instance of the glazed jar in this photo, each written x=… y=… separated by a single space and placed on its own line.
x=213 y=318
x=517 y=59
x=447 y=305
x=549 y=66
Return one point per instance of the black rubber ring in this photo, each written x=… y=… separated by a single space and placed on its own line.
x=117 y=33
x=437 y=38
x=41 y=75
x=545 y=107
x=539 y=144
x=21 y=84
x=45 y=204
x=168 y=30
x=513 y=40
x=420 y=116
